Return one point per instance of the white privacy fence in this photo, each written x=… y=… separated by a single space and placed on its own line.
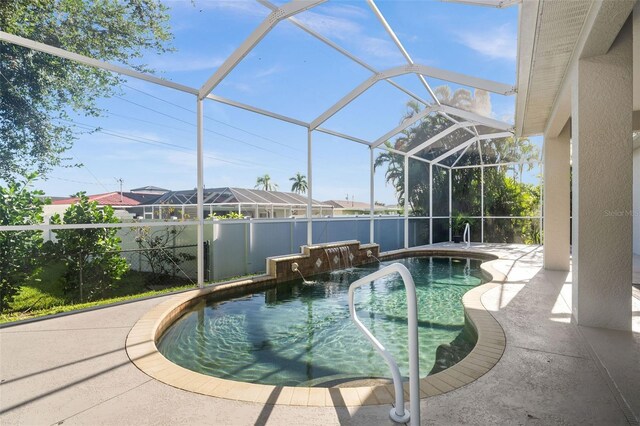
x=240 y=247
x=234 y=248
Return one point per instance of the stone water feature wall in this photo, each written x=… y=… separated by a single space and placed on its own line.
x=321 y=258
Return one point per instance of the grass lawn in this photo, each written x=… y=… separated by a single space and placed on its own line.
x=42 y=294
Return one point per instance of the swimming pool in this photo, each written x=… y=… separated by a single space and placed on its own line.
x=298 y=334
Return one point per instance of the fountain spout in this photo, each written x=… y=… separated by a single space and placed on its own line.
x=370 y=254
x=295 y=268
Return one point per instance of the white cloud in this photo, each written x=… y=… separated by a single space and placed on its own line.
x=379 y=47
x=259 y=78
x=185 y=62
x=240 y=87
x=331 y=26
x=345 y=10
x=269 y=71
x=338 y=23
x=498 y=43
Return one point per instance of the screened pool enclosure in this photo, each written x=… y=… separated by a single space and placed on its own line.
x=447 y=161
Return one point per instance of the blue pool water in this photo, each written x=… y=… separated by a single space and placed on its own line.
x=299 y=334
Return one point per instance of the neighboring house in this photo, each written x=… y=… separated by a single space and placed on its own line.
x=151 y=202
x=153 y=190
x=252 y=203
x=124 y=204
x=352 y=208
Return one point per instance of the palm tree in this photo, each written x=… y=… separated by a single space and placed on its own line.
x=264 y=183
x=431 y=125
x=299 y=183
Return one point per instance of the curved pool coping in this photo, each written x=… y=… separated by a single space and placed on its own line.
x=143 y=352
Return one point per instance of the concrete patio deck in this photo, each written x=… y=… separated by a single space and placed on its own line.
x=74 y=369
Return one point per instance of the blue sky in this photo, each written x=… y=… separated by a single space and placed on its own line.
x=148 y=137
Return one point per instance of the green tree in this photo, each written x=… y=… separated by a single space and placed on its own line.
x=91 y=255
x=228 y=216
x=18 y=249
x=158 y=249
x=264 y=183
x=38 y=91
x=299 y=185
x=504 y=195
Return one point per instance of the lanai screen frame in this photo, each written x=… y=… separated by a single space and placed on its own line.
x=287 y=12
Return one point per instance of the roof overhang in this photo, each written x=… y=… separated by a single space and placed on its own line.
x=553 y=36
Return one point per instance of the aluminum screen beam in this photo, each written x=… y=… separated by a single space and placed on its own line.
x=284 y=118
x=397 y=42
x=478 y=83
x=479 y=119
x=406 y=202
x=464 y=145
x=499 y=135
x=437 y=137
x=309 y=189
x=343 y=136
x=287 y=10
x=472 y=117
x=372 y=202
x=461 y=155
x=409 y=59
x=452 y=151
x=454 y=121
x=200 y=189
x=85 y=60
x=333 y=45
x=257 y=110
x=406 y=123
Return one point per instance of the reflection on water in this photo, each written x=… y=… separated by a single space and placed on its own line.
x=301 y=335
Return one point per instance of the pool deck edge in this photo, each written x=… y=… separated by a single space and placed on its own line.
x=143 y=352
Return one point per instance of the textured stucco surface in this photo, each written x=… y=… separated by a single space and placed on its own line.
x=556 y=201
x=75 y=370
x=602 y=186
x=636 y=201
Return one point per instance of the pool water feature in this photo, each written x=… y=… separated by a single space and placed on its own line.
x=302 y=335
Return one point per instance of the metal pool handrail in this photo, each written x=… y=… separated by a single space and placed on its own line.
x=398 y=413
x=466 y=236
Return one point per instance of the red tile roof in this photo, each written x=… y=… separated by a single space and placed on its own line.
x=108 y=199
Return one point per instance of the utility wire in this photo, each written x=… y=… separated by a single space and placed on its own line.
x=155 y=142
x=206 y=130
x=74 y=181
x=37 y=112
x=151 y=142
x=211 y=118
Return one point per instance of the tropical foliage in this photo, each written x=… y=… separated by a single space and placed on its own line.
x=505 y=191
x=19 y=205
x=38 y=91
x=91 y=255
x=157 y=247
x=228 y=216
x=264 y=182
x=299 y=185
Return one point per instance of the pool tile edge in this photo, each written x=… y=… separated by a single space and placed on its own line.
x=142 y=351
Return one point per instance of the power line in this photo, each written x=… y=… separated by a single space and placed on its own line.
x=148 y=122
x=206 y=130
x=98 y=182
x=74 y=181
x=34 y=109
x=152 y=142
x=212 y=119
x=155 y=142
